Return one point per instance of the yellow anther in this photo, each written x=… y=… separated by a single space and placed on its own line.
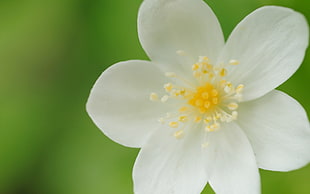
x=228 y=87
x=182 y=92
x=153 y=96
x=214 y=92
x=234 y=115
x=174 y=124
x=208 y=128
x=211 y=75
x=183 y=118
x=234 y=62
x=232 y=106
x=195 y=66
x=170 y=74
x=199 y=102
x=197 y=119
x=164 y=98
x=168 y=87
x=207 y=104
x=175 y=92
x=183 y=109
x=213 y=127
x=239 y=88
x=223 y=72
x=215 y=100
x=207 y=120
x=178 y=134
x=205 y=95
x=203 y=59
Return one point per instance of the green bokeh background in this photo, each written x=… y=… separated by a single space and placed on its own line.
x=51 y=53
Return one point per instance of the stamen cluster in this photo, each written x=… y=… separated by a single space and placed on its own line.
x=209 y=100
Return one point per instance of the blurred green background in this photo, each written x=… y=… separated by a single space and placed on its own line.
x=51 y=53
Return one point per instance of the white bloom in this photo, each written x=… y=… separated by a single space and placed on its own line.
x=205 y=111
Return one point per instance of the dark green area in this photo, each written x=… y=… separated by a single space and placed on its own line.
x=51 y=53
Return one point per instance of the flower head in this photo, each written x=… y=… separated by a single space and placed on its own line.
x=202 y=110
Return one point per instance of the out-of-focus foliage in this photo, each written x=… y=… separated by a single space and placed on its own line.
x=51 y=53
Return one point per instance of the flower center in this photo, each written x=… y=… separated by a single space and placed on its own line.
x=210 y=99
x=205 y=98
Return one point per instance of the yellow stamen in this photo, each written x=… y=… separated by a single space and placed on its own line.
x=168 y=87
x=197 y=119
x=234 y=62
x=153 y=96
x=178 y=134
x=183 y=118
x=223 y=72
x=232 y=106
x=174 y=124
x=195 y=66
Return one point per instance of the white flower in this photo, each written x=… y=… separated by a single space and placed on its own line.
x=202 y=110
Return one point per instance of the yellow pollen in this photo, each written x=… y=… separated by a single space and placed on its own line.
x=168 y=87
x=197 y=119
x=174 y=124
x=183 y=118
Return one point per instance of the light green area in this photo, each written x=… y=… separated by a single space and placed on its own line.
x=51 y=53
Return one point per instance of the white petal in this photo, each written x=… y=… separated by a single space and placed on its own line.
x=167 y=165
x=234 y=165
x=278 y=129
x=270 y=44
x=168 y=26
x=119 y=102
